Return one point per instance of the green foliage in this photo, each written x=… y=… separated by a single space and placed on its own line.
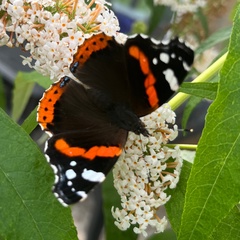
x=190 y=106
x=203 y=89
x=203 y=20
x=229 y=227
x=30 y=122
x=2 y=95
x=175 y=206
x=156 y=14
x=28 y=208
x=198 y=91
x=217 y=37
x=213 y=186
x=166 y=235
x=23 y=87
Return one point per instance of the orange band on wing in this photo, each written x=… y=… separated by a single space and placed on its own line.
x=152 y=96
x=47 y=102
x=93 y=44
x=96 y=151
x=150 y=80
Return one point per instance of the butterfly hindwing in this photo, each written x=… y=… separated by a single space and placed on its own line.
x=78 y=169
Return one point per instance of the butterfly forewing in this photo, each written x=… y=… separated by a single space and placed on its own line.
x=155 y=71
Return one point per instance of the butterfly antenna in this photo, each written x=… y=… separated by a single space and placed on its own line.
x=186 y=130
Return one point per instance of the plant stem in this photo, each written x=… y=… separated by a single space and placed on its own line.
x=180 y=98
x=191 y=147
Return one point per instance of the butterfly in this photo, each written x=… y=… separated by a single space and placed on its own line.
x=88 y=119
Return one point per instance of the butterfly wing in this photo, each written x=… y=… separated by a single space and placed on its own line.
x=142 y=74
x=88 y=120
x=84 y=144
x=155 y=71
x=100 y=63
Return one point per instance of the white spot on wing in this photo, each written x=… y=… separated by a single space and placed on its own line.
x=69 y=183
x=186 y=66
x=54 y=168
x=93 y=176
x=144 y=36
x=155 y=41
x=187 y=44
x=172 y=80
x=56 y=179
x=180 y=40
x=47 y=132
x=132 y=36
x=47 y=158
x=46 y=146
x=56 y=194
x=155 y=61
x=62 y=202
x=164 y=57
x=70 y=174
x=73 y=163
x=82 y=194
x=165 y=41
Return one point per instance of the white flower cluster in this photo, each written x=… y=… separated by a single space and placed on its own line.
x=52 y=30
x=145 y=171
x=182 y=6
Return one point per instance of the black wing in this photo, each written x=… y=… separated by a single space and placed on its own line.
x=85 y=143
x=155 y=71
x=142 y=74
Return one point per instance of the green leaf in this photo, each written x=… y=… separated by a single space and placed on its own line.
x=190 y=106
x=214 y=79
x=41 y=80
x=30 y=122
x=28 y=209
x=174 y=206
x=2 y=95
x=110 y=199
x=204 y=89
x=215 y=38
x=138 y=27
x=229 y=227
x=157 y=13
x=214 y=183
x=24 y=84
x=23 y=87
x=167 y=234
x=203 y=20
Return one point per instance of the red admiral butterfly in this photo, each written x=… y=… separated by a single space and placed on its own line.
x=89 y=120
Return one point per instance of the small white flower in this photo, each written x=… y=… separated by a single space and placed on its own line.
x=52 y=35
x=183 y=6
x=145 y=171
x=26 y=61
